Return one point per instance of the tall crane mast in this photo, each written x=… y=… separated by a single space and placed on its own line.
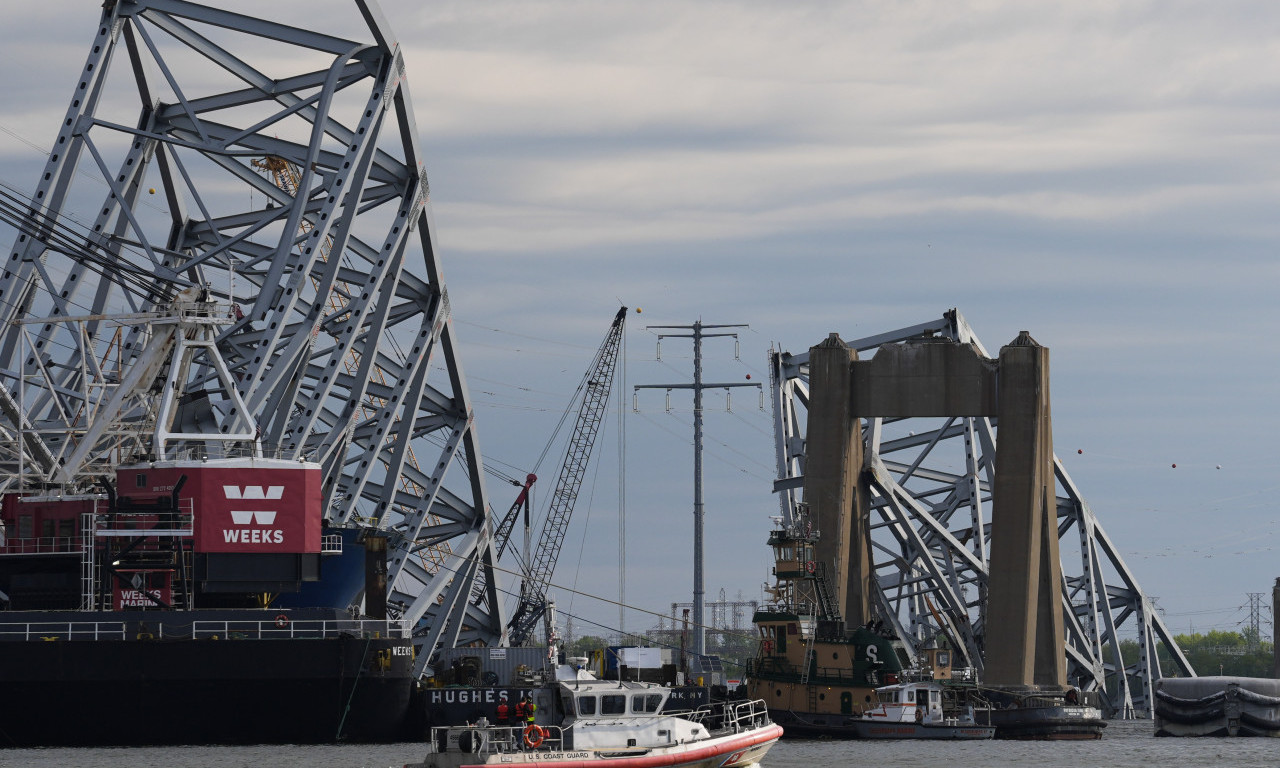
x=542 y=560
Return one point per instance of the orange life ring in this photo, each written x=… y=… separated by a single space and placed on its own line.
x=282 y=621
x=768 y=646
x=811 y=566
x=533 y=736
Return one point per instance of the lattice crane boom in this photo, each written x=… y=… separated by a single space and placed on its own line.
x=542 y=561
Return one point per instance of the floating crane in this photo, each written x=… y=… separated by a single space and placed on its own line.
x=541 y=561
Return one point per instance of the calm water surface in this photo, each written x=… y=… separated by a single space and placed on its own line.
x=1125 y=745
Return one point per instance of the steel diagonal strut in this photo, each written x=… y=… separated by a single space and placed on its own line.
x=931 y=534
x=335 y=332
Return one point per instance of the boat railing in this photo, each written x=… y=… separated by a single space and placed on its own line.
x=746 y=715
x=63 y=630
x=40 y=545
x=279 y=628
x=773 y=668
x=497 y=739
x=282 y=627
x=730 y=716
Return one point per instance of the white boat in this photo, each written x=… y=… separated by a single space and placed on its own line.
x=918 y=709
x=623 y=724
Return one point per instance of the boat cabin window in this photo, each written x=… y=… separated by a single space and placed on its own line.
x=643 y=702
x=933 y=696
x=586 y=705
x=613 y=705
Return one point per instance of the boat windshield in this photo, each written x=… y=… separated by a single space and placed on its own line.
x=646 y=702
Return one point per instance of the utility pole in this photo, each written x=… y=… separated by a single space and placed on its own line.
x=697 y=333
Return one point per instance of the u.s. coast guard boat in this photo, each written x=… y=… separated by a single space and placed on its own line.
x=619 y=723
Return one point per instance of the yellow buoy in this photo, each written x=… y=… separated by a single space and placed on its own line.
x=152 y=190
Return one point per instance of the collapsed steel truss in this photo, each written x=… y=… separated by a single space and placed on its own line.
x=165 y=178
x=931 y=534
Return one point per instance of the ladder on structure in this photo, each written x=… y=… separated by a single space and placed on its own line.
x=826 y=611
x=826 y=602
x=88 y=579
x=809 y=659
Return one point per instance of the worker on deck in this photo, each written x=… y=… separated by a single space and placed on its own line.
x=504 y=713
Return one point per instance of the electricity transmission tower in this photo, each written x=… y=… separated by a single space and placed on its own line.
x=697 y=332
x=1255 y=620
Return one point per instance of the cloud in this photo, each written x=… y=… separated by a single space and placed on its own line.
x=1099 y=173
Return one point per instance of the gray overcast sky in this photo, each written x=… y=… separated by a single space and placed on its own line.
x=1101 y=174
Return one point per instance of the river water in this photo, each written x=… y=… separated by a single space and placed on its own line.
x=1125 y=745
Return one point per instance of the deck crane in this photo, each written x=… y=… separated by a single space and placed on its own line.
x=541 y=561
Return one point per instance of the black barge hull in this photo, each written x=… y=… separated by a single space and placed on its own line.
x=60 y=692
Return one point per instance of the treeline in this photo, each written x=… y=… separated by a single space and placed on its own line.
x=1239 y=654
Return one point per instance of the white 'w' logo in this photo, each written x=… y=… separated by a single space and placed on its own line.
x=244 y=518
x=253 y=492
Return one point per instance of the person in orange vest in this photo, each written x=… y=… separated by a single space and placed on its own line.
x=522 y=709
x=503 y=713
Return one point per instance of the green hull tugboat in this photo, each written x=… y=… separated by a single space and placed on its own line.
x=820 y=678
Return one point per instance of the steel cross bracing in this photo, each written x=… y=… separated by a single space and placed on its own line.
x=931 y=498
x=338 y=337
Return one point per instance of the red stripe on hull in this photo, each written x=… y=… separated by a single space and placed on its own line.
x=764 y=737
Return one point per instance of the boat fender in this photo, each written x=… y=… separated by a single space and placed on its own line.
x=282 y=621
x=1256 y=698
x=533 y=736
x=1189 y=716
x=469 y=741
x=1261 y=723
x=1181 y=702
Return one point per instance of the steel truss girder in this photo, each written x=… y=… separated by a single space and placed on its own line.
x=339 y=345
x=930 y=503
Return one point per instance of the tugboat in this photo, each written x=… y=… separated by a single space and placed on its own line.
x=821 y=680
x=816 y=677
x=929 y=703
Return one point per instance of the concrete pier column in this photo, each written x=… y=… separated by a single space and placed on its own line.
x=1024 y=638
x=833 y=466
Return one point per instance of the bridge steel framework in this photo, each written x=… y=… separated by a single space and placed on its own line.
x=337 y=329
x=931 y=534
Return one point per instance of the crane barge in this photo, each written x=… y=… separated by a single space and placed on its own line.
x=236 y=492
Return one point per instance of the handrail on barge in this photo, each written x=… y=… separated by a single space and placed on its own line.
x=278 y=628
